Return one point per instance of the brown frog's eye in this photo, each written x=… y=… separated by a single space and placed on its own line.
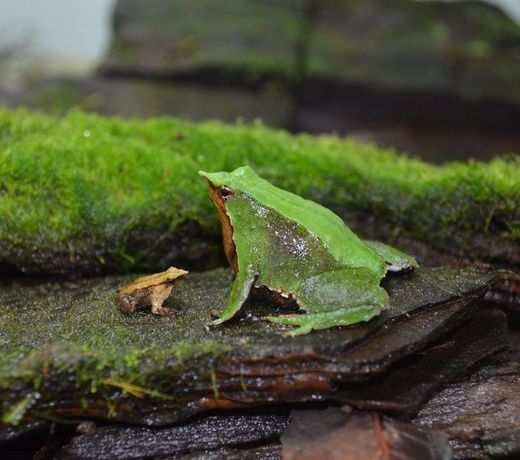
x=226 y=192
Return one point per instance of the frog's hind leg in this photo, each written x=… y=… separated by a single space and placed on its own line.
x=336 y=298
x=396 y=261
x=238 y=294
x=309 y=321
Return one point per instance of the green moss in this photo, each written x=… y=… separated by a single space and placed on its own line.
x=82 y=192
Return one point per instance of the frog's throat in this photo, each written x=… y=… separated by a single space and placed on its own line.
x=226 y=226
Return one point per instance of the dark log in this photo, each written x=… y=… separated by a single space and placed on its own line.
x=337 y=435
x=480 y=415
x=211 y=433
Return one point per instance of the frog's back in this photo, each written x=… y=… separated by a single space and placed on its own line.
x=342 y=244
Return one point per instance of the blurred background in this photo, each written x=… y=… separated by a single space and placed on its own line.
x=436 y=79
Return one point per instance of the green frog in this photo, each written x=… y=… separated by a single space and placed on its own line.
x=299 y=250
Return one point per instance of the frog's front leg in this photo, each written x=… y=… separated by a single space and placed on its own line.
x=160 y=294
x=238 y=294
x=336 y=298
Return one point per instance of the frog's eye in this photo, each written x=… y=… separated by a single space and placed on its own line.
x=226 y=192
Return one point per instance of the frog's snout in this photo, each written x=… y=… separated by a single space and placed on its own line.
x=204 y=174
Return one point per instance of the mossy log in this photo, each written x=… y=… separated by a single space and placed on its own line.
x=68 y=351
x=85 y=194
x=478 y=432
x=472 y=57
x=168 y=39
x=296 y=41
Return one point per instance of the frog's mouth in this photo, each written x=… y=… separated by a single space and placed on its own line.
x=225 y=225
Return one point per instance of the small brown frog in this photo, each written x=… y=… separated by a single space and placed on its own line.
x=150 y=291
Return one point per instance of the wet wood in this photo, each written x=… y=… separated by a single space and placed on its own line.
x=506 y=293
x=407 y=385
x=213 y=435
x=480 y=415
x=341 y=435
x=140 y=377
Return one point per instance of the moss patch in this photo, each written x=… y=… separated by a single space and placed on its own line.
x=88 y=193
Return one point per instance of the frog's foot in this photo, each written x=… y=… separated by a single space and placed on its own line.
x=162 y=311
x=336 y=298
x=220 y=320
x=309 y=321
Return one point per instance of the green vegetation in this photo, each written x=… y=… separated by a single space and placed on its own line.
x=85 y=192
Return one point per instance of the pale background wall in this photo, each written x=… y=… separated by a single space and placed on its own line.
x=75 y=33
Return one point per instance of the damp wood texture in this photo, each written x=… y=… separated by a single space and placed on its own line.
x=83 y=357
